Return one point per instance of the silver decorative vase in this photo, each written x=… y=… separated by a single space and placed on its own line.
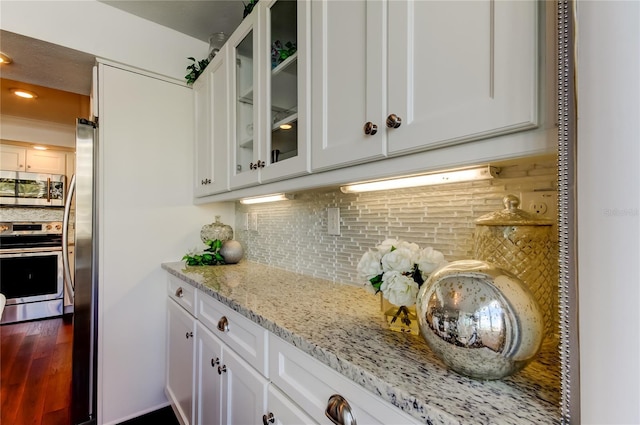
x=480 y=320
x=231 y=251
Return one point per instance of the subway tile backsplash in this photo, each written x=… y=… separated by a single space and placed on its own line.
x=293 y=234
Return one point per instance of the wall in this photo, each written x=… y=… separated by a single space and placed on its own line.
x=608 y=209
x=95 y=28
x=293 y=234
x=50 y=119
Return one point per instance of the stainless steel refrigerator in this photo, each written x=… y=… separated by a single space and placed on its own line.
x=82 y=282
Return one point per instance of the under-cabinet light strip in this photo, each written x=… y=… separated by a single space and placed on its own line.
x=267 y=198
x=453 y=176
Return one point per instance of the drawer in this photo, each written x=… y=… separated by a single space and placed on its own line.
x=310 y=384
x=182 y=293
x=243 y=336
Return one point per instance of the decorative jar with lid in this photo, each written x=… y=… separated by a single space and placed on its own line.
x=217 y=230
x=525 y=245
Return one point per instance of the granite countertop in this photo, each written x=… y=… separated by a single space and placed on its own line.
x=343 y=327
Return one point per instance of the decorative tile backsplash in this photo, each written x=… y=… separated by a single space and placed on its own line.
x=293 y=235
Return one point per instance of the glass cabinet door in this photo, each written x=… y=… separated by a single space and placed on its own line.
x=246 y=146
x=283 y=81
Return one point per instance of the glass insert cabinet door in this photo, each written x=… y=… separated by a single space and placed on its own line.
x=246 y=161
x=269 y=87
x=283 y=81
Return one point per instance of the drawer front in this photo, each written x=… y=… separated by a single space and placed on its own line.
x=182 y=293
x=243 y=336
x=310 y=384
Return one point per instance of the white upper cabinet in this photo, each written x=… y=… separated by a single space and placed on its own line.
x=269 y=84
x=13 y=158
x=460 y=70
x=18 y=158
x=347 y=91
x=401 y=76
x=211 y=94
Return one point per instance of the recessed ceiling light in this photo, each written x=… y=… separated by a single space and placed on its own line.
x=286 y=126
x=40 y=148
x=6 y=59
x=24 y=93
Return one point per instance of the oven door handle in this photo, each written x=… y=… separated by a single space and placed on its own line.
x=68 y=281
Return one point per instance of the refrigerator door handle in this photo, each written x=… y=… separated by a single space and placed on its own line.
x=68 y=281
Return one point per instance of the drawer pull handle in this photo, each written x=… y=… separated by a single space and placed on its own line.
x=268 y=419
x=221 y=369
x=215 y=361
x=223 y=324
x=339 y=411
x=189 y=334
x=393 y=121
x=179 y=292
x=370 y=128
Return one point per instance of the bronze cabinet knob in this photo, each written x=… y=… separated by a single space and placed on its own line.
x=393 y=121
x=370 y=128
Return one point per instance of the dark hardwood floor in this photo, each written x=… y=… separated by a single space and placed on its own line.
x=35 y=372
x=35 y=375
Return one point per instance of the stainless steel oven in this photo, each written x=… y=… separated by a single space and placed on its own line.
x=31 y=271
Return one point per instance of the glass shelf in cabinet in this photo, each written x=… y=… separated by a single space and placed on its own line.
x=286 y=120
x=246 y=143
x=284 y=66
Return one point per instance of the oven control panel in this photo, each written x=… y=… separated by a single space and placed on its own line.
x=31 y=228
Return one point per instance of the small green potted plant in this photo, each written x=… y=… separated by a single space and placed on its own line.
x=195 y=69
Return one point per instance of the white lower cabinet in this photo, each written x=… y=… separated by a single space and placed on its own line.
x=312 y=385
x=209 y=378
x=180 y=361
x=228 y=390
x=282 y=411
x=237 y=372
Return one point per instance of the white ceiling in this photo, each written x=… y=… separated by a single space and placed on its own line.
x=48 y=65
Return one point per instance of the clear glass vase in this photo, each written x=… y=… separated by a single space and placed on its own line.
x=400 y=318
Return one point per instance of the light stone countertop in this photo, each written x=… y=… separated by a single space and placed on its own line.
x=343 y=327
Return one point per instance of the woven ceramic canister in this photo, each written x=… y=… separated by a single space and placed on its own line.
x=526 y=245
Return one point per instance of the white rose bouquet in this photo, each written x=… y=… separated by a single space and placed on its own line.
x=398 y=269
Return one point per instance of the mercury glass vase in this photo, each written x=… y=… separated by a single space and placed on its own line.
x=480 y=320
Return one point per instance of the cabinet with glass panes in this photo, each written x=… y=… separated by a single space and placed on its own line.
x=270 y=104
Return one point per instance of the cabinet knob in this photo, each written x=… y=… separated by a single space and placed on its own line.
x=339 y=411
x=259 y=164
x=223 y=324
x=221 y=369
x=215 y=361
x=28 y=166
x=189 y=334
x=268 y=419
x=393 y=121
x=370 y=128
x=179 y=293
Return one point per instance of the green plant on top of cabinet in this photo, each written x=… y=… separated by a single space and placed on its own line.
x=211 y=94
x=443 y=72
x=269 y=105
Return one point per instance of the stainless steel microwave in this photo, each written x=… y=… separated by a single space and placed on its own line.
x=32 y=189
